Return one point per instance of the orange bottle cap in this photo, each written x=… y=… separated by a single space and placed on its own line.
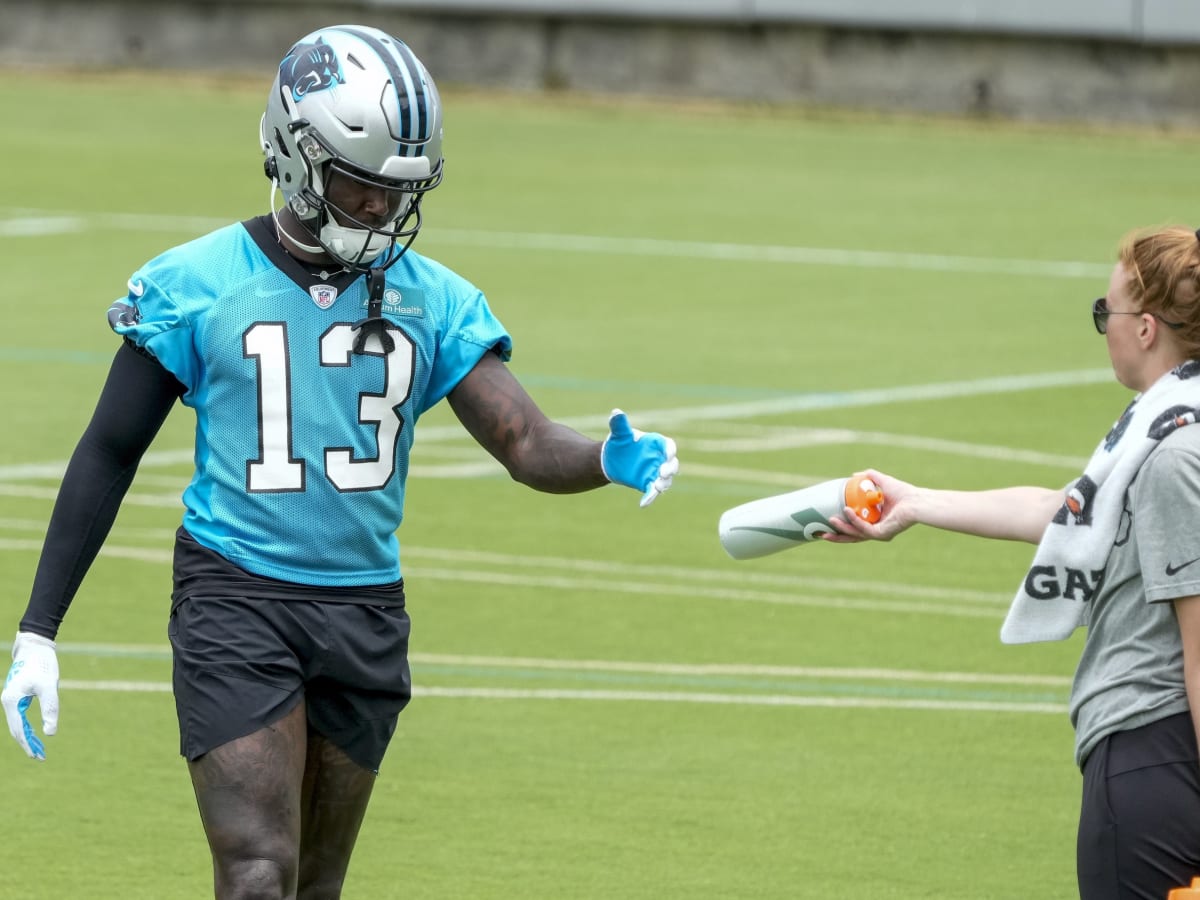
x=865 y=498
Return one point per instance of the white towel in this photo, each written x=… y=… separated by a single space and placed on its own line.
x=1068 y=566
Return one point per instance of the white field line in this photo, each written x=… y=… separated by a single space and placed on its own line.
x=773 y=439
x=478 y=464
x=163 y=652
x=758 y=253
x=138 y=554
x=735 y=474
x=500 y=564
x=133 y=498
x=459 y=471
x=682 y=415
x=564 y=567
x=41 y=223
x=489 y=468
x=704 y=576
x=769 y=700
x=776 y=700
x=20 y=546
x=778 y=406
x=791 y=439
x=614 y=586
x=460 y=556
x=121 y=687
x=41 y=226
x=1003 y=384
x=54 y=470
x=754 y=671
x=799 y=596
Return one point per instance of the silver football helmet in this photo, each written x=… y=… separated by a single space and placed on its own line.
x=353 y=100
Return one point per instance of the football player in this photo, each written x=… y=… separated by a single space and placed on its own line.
x=308 y=341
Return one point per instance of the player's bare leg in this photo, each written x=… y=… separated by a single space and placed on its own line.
x=335 y=796
x=249 y=791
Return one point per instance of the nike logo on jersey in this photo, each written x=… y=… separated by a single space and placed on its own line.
x=136 y=287
x=1171 y=570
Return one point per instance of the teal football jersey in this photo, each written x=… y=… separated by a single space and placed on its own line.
x=302 y=445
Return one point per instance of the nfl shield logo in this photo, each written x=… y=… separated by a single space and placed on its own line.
x=323 y=295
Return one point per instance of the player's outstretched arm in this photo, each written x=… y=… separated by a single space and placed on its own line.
x=1013 y=513
x=549 y=456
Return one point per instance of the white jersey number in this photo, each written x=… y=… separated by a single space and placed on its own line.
x=277 y=468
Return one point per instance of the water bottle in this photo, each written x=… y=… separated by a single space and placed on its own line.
x=766 y=526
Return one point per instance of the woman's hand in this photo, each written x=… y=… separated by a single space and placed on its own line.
x=898 y=512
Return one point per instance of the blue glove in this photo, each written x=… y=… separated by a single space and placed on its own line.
x=34 y=673
x=644 y=462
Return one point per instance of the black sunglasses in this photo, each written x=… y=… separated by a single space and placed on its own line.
x=1101 y=312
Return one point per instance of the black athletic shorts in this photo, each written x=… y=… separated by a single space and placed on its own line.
x=1139 y=824
x=248 y=649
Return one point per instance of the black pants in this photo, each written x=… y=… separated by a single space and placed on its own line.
x=1139 y=825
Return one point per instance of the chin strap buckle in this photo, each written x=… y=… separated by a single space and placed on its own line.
x=374 y=323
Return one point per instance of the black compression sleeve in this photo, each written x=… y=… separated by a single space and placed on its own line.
x=135 y=401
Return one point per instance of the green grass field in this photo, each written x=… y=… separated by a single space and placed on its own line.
x=608 y=706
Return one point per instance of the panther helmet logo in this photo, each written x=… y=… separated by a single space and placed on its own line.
x=309 y=68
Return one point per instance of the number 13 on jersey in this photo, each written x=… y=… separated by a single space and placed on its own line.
x=276 y=469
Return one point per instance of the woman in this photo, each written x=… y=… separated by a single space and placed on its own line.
x=1119 y=552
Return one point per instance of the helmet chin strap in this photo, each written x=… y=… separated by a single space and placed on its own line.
x=279 y=229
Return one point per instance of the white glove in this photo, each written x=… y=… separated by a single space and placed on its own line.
x=34 y=673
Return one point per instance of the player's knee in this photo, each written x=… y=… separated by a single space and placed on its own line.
x=255 y=878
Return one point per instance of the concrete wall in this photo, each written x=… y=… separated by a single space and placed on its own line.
x=1166 y=21
x=982 y=70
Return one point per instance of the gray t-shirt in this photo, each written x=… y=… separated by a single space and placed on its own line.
x=1131 y=670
